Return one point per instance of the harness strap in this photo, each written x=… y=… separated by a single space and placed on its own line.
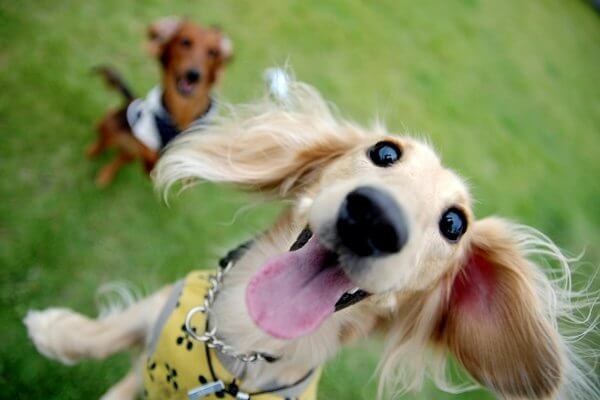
x=152 y=124
x=232 y=388
x=235 y=254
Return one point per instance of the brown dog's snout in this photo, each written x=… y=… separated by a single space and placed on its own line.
x=371 y=223
x=193 y=75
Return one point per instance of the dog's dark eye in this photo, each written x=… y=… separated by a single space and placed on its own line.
x=213 y=53
x=185 y=42
x=384 y=154
x=453 y=224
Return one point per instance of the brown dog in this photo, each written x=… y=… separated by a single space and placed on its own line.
x=192 y=60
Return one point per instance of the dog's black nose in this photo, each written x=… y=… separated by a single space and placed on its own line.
x=371 y=223
x=192 y=75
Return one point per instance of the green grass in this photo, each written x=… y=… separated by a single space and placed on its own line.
x=508 y=91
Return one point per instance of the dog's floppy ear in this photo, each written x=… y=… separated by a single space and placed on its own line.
x=261 y=160
x=160 y=32
x=268 y=147
x=495 y=322
x=224 y=57
x=225 y=46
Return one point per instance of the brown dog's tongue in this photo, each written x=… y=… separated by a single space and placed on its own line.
x=293 y=293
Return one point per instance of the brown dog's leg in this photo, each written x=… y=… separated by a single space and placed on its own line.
x=105 y=128
x=67 y=336
x=108 y=172
x=101 y=143
x=96 y=148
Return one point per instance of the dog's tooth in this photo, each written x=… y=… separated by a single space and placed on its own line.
x=356 y=289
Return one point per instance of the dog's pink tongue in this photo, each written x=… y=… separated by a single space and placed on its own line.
x=293 y=293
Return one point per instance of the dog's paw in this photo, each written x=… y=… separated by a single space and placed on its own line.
x=43 y=328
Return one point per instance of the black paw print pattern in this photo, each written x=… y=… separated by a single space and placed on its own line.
x=171 y=376
x=150 y=366
x=203 y=381
x=185 y=338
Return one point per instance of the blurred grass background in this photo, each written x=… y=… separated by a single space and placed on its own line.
x=508 y=91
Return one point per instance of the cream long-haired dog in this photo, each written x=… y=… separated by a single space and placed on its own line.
x=378 y=235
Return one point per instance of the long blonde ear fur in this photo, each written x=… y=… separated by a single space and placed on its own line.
x=270 y=146
x=498 y=314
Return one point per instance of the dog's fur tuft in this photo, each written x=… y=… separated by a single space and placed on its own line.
x=115 y=81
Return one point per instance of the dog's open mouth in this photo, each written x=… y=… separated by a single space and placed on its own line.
x=293 y=293
x=185 y=87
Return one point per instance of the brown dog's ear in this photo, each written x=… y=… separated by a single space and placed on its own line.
x=226 y=45
x=225 y=55
x=226 y=48
x=160 y=32
x=495 y=322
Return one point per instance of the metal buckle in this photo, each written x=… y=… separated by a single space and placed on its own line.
x=205 y=390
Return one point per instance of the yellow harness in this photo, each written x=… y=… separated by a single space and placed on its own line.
x=177 y=363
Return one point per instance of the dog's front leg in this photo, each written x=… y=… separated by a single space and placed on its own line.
x=67 y=336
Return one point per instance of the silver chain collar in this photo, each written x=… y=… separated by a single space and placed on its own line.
x=210 y=338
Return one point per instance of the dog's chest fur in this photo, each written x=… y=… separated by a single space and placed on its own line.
x=152 y=124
